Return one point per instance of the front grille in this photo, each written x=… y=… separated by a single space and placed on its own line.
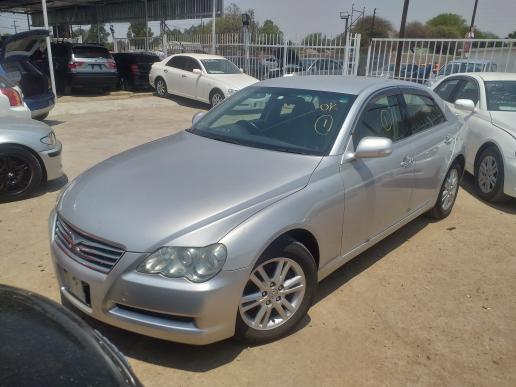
x=86 y=249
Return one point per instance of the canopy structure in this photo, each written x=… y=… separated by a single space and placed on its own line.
x=58 y=12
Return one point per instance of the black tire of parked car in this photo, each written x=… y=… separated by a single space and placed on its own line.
x=123 y=84
x=496 y=194
x=284 y=248
x=20 y=172
x=216 y=97
x=41 y=117
x=161 y=87
x=438 y=212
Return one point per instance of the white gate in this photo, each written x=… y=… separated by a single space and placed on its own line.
x=263 y=55
x=421 y=60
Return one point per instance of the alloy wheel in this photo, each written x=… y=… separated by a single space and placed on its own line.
x=451 y=185
x=273 y=294
x=161 y=88
x=487 y=174
x=216 y=99
x=15 y=174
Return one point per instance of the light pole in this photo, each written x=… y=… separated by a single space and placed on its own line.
x=474 y=15
x=246 y=20
x=402 y=35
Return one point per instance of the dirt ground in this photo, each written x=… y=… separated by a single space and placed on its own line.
x=432 y=305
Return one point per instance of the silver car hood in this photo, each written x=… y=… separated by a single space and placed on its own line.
x=505 y=120
x=154 y=194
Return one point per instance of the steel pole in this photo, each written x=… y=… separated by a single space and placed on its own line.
x=474 y=15
x=49 y=48
x=146 y=27
x=402 y=35
x=213 y=35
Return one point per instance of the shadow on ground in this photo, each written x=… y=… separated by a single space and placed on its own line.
x=52 y=186
x=508 y=206
x=190 y=103
x=205 y=358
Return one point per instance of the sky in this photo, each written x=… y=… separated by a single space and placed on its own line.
x=298 y=17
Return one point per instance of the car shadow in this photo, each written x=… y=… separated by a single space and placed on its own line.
x=508 y=206
x=369 y=257
x=53 y=122
x=51 y=186
x=186 y=102
x=174 y=355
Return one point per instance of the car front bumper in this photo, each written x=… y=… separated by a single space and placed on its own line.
x=53 y=162
x=166 y=308
x=510 y=177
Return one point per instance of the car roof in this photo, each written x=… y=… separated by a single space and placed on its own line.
x=471 y=61
x=487 y=76
x=200 y=56
x=335 y=83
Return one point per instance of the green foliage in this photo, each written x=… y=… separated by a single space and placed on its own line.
x=417 y=30
x=269 y=27
x=137 y=30
x=382 y=28
x=512 y=35
x=91 y=35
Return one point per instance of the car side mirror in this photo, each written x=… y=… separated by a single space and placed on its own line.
x=197 y=71
x=465 y=104
x=197 y=116
x=373 y=147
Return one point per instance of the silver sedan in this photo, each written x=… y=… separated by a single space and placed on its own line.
x=225 y=229
x=30 y=154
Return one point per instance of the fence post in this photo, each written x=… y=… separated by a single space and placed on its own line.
x=356 y=53
x=285 y=47
x=115 y=46
x=346 y=53
x=246 y=49
x=368 y=62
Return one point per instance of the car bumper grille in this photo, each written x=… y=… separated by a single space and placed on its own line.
x=86 y=249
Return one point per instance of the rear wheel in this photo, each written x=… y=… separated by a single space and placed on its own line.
x=448 y=193
x=20 y=173
x=489 y=175
x=278 y=294
x=161 y=87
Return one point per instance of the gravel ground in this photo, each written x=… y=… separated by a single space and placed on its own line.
x=434 y=304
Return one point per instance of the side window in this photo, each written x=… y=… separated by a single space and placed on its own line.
x=468 y=90
x=177 y=62
x=445 y=89
x=191 y=64
x=422 y=112
x=382 y=118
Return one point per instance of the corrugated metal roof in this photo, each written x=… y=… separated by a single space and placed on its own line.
x=105 y=11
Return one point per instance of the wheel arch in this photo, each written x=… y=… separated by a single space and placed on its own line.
x=301 y=235
x=34 y=153
x=213 y=91
x=483 y=147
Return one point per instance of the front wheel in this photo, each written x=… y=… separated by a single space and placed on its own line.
x=216 y=97
x=161 y=88
x=278 y=294
x=448 y=193
x=489 y=175
x=20 y=173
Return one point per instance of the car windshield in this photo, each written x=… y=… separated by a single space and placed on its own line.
x=220 y=66
x=462 y=67
x=501 y=95
x=280 y=119
x=91 y=52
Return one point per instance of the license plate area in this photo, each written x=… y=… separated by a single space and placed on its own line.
x=77 y=288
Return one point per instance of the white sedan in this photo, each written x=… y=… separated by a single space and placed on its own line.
x=487 y=102
x=206 y=78
x=11 y=102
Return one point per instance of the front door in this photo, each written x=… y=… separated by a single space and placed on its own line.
x=377 y=190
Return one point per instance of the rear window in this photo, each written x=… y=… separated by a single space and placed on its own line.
x=91 y=52
x=5 y=83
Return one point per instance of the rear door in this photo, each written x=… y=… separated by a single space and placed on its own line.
x=433 y=142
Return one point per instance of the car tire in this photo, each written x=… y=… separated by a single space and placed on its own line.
x=20 y=172
x=216 y=97
x=41 y=117
x=161 y=88
x=448 y=193
x=269 y=311
x=489 y=175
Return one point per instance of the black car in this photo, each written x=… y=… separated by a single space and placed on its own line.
x=83 y=65
x=16 y=53
x=43 y=344
x=133 y=69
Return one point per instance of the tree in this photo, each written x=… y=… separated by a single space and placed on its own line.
x=137 y=30
x=512 y=35
x=417 y=30
x=269 y=27
x=231 y=21
x=316 y=39
x=450 y=24
x=80 y=33
x=92 y=36
x=382 y=28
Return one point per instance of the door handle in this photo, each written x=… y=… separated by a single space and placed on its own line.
x=448 y=139
x=183 y=76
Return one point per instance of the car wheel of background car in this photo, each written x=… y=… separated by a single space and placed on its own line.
x=278 y=294
x=161 y=87
x=216 y=97
x=448 y=193
x=20 y=172
x=41 y=117
x=489 y=175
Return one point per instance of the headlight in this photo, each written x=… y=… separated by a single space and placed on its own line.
x=49 y=140
x=232 y=91
x=198 y=264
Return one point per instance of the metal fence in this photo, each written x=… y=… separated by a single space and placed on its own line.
x=262 y=55
x=423 y=60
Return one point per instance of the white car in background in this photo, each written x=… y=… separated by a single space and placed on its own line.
x=11 y=101
x=487 y=102
x=206 y=78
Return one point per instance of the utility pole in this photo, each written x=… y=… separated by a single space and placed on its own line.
x=372 y=23
x=474 y=15
x=213 y=35
x=28 y=21
x=15 y=26
x=402 y=35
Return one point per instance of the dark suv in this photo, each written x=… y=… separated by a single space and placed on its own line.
x=133 y=69
x=16 y=52
x=79 y=65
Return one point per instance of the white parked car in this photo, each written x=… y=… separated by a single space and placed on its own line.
x=11 y=102
x=206 y=78
x=487 y=102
